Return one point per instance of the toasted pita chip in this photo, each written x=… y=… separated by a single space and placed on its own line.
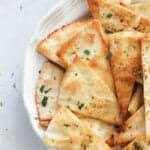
x=67 y=132
x=125 y=62
x=101 y=129
x=113 y=17
x=139 y=143
x=86 y=44
x=85 y=93
x=146 y=78
x=47 y=90
x=52 y=43
x=133 y=127
x=136 y=101
x=142 y=9
x=90 y=45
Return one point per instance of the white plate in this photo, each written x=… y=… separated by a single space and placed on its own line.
x=65 y=12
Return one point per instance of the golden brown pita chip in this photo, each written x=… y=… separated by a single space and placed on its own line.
x=85 y=93
x=47 y=90
x=125 y=63
x=89 y=45
x=67 y=132
x=113 y=17
x=52 y=43
x=86 y=44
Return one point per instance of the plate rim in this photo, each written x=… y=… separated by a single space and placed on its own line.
x=25 y=65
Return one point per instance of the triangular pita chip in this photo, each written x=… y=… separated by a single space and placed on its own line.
x=67 y=132
x=85 y=93
x=146 y=78
x=136 y=101
x=142 y=9
x=113 y=17
x=125 y=63
x=133 y=127
x=89 y=45
x=47 y=90
x=52 y=43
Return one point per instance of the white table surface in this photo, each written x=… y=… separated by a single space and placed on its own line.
x=18 y=19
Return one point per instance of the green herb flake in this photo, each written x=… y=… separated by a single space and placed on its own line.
x=109 y=56
x=66 y=125
x=80 y=106
x=87 y=52
x=44 y=101
x=109 y=15
x=137 y=146
x=46 y=91
x=42 y=88
x=107 y=31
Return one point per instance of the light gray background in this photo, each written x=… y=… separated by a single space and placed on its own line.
x=18 y=20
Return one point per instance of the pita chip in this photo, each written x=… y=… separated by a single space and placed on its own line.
x=85 y=93
x=67 y=131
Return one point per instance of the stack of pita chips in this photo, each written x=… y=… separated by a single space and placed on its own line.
x=93 y=93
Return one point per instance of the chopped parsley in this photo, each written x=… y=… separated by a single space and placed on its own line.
x=46 y=91
x=87 y=52
x=109 y=15
x=44 y=101
x=109 y=56
x=107 y=31
x=42 y=88
x=66 y=125
x=80 y=106
x=137 y=146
